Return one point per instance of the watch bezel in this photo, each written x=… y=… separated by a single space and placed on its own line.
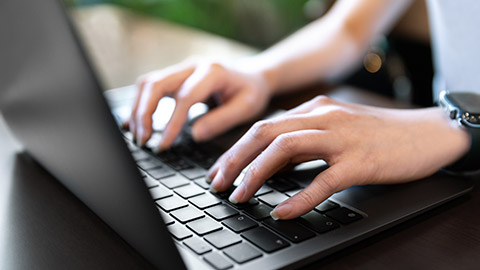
x=456 y=112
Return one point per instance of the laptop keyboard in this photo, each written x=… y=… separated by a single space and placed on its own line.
x=225 y=234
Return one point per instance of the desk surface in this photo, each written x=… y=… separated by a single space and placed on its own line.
x=43 y=226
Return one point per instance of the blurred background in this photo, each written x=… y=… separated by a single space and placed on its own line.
x=127 y=38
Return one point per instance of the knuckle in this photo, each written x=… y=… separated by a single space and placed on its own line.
x=323 y=100
x=214 y=66
x=286 y=143
x=231 y=161
x=261 y=129
x=339 y=113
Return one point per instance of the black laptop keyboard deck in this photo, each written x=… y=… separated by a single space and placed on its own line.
x=225 y=234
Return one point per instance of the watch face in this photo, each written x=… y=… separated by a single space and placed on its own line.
x=467 y=101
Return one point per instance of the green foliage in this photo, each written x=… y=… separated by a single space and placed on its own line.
x=257 y=22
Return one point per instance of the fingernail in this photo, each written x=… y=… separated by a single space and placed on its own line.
x=238 y=194
x=213 y=190
x=232 y=199
x=217 y=182
x=281 y=210
x=208 y=179
x=274 y=215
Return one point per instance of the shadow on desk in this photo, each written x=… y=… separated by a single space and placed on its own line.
x=47 y=227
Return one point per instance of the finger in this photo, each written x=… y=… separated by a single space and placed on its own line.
x=151 y=88
x=311 y=105
x=196 y=88
x=337 y=177
x=139 y=87
x=223 y=118
x=254 y=142
x=312 y=143
x=151 y=94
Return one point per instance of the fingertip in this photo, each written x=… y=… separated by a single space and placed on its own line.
x=282 y=211
x=217 y=182
x=274 y=215
x=208 y=179
x=198 y=133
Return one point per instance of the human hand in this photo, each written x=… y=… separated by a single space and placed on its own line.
x=241 y=93
x=361 y=144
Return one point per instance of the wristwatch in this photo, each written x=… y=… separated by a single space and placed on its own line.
x=464 y=107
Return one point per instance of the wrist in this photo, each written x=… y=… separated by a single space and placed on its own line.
x=263 y=69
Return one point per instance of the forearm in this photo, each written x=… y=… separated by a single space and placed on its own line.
x=328 y=47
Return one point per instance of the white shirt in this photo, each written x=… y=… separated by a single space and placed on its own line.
x=455 y=28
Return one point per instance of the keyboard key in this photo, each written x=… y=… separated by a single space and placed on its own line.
x=263 y=190
x=149 y=164
x=140 y=155
x=187 y=214
x=168 y=155
x=204 y=201
x=291 y=193
x=171 y=203
x=160 y=192
x=265 y=239
x=318 y=222
x=259 y=211
x=202 y=183
x=189 y=191
x=242 y=253
x=179 y=164
x=194 y=173
x=161 y=173
x=225 y=194
x=273 y=199
x=218 y=261
x=167 y=219
x=198 y=245
x=241 y=206
x=344 y=215
x=239 y=223
x=326 y=206
x=290 y=229
x=149 y=181
x=174 y=181
x=220 y=212
x=222 y=239
x=204 y=226
x=281 y=184
x=178 y=231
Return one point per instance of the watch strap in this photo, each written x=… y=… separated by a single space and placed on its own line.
x=470 y=162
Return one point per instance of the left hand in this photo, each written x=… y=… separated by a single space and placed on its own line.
x=361 y=144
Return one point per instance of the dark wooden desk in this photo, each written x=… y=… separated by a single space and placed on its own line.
x=43 y=226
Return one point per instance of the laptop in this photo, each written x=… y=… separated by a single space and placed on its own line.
x=159 y=204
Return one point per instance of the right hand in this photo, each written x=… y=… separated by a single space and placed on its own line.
x=242 y=96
